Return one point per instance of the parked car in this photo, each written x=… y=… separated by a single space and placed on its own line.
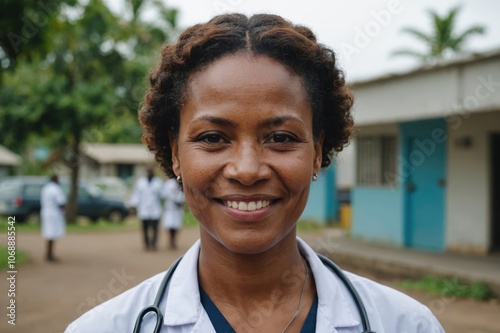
x=20 y=197
x=112 y=187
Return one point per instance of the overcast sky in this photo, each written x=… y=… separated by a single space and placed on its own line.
x=363 y=32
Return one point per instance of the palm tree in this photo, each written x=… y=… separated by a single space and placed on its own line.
x=443 y=41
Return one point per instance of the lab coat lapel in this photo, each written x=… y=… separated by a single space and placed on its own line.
x=334 y=309
x=183 y=304
x=203 y=325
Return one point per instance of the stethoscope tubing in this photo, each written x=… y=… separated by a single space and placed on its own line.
x=155 y=307
x=365 y=322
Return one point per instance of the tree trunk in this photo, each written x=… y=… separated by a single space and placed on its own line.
x=74 y=166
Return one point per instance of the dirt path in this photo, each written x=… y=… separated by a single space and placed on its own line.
x=97 y=266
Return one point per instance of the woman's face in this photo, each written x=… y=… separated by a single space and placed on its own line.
x=245 y=152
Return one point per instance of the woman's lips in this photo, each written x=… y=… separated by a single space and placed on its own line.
x=248 y=209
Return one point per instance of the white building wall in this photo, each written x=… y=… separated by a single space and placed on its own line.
x=481 y=86
x=468 y=184
x=470 y=87
x=408 y=98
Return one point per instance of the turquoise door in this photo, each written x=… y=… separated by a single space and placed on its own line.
x=424 y=184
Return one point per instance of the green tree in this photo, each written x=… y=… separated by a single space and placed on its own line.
x=443 y=41
x=24 y=29
x=86 y=84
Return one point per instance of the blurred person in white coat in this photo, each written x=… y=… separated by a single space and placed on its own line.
x=52 y=201
x=146 y=198
x=173 y=214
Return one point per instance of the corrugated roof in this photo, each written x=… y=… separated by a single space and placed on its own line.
x=105 y=153
x=9 y=158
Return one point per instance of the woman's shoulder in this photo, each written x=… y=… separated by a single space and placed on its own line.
x=388 y=309
x=119 y=313
x=392 y=309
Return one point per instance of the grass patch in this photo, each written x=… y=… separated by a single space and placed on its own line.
x=20 y=226
x=450 y=288
x=21 y=257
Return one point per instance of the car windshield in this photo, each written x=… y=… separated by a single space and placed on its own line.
x=94 y=190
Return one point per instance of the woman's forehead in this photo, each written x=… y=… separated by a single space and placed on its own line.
x=242 y=74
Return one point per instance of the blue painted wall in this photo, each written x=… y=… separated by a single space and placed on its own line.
x=377 y=214
x=382 y=214
x=322 y=204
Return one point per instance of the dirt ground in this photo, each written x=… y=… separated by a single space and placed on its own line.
x=97 y=266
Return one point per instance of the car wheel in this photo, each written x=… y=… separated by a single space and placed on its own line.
x=20 y=218
x=115 y=216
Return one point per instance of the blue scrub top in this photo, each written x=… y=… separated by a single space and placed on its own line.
x=221 y=324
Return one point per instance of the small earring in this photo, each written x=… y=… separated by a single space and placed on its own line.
x=315 y=176
x=179 y=179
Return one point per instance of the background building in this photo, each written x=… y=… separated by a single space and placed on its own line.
x=9 y=162
x=427 y=157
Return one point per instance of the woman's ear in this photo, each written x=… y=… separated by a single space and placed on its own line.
x=174 y=147
x=318 y=152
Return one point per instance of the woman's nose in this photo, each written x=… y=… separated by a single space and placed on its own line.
x=247 y=164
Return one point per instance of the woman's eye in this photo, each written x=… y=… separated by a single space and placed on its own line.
x=282 y=138
x=212 y=138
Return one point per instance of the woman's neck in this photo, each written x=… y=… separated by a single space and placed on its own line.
x=243 y=280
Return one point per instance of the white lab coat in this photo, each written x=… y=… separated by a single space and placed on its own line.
x=173 y=213
x=53 y=222
x=389 y=311
x=146 y=198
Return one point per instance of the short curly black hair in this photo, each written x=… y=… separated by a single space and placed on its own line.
x=292 y=45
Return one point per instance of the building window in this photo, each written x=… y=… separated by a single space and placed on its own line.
x=376 y=161
x=125 y=171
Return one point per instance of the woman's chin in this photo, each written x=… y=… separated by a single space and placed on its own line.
x=251 y=243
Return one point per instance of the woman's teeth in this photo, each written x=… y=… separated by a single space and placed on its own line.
x=248 y=205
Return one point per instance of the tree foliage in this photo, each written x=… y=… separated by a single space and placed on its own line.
x=443 y=41
x=87 y=85
x=24 y=29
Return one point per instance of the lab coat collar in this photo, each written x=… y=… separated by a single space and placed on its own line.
x=183 y=304
x=333 y=305
x=183 y=301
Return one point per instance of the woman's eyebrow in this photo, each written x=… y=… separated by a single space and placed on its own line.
x=216 y=120
x=276 y=121
x=270 y=122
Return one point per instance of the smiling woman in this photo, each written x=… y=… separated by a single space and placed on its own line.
x=244 y=112
x=246 y=133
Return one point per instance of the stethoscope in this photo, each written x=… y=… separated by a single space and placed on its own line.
x=155 y=307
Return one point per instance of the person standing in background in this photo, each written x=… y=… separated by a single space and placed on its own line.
x=52 y=201
x=173 y=214
x=146 y=200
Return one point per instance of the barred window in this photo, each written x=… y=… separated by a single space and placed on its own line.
x=376 y=161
